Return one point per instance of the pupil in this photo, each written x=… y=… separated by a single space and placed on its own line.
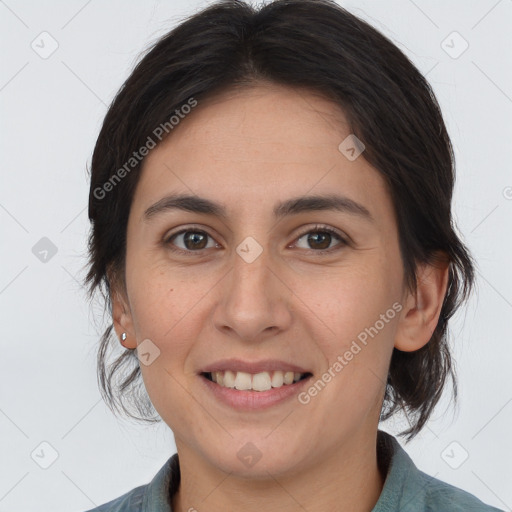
x=321 y=235
x=194 y=237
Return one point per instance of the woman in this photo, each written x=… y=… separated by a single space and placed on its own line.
x=271 y=221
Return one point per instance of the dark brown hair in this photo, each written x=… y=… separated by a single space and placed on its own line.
x=319 y=46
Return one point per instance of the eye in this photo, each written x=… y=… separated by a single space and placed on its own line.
x=192 y=240
x=320 y=238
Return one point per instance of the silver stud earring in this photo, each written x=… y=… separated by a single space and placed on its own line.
x=123 y=337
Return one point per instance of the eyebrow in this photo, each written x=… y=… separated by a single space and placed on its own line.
x=197 y=204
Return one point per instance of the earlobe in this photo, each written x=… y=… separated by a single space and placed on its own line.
x=122 y=320
x=422 y=309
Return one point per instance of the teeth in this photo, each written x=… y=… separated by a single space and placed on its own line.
x=262 y=381
x=229 y=379
x=277 y=379
x=243 y=381
x=288 y=377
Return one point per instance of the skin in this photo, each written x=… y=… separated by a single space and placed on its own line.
x=249 y=149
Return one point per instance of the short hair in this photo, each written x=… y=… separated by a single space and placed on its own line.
x=313 y=45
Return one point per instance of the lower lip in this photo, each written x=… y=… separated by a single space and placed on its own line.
x=254 y=400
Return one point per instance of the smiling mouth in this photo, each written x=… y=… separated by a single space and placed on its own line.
x=263 y=381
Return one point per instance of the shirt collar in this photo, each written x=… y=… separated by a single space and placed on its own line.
x=164 y=485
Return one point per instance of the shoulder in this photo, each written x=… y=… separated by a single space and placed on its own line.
x=128 y=502
x=408 y=489
x=152 y=497
x=440 y=495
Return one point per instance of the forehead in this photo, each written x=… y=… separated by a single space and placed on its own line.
x=256 y=145
x=264 y=117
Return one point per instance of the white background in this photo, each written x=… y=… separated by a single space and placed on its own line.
x=51 y=112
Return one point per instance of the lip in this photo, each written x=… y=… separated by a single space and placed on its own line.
x=252 y=367
x=254 y=400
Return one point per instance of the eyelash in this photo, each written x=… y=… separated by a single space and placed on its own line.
x=316 y=229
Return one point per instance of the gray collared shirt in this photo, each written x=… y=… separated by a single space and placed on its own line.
x=406 y=488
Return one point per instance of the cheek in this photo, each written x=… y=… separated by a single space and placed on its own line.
x=164 y=310
x=159 y=298
x=349 y=300
x=357 y=307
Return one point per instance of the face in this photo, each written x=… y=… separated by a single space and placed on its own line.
x=249 y=285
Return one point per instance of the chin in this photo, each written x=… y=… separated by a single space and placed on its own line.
x=255 y=459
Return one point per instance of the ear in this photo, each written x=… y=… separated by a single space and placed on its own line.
x=422 y=309
x=121 y=316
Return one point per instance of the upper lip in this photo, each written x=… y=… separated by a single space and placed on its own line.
x=252 y=367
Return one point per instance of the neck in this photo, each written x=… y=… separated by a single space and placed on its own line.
x=345 y=479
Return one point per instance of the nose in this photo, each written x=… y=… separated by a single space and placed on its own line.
x=255 y=301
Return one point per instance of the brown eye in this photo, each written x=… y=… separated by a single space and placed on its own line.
x=191 y=240
x=195 y=240
x=320 y=239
